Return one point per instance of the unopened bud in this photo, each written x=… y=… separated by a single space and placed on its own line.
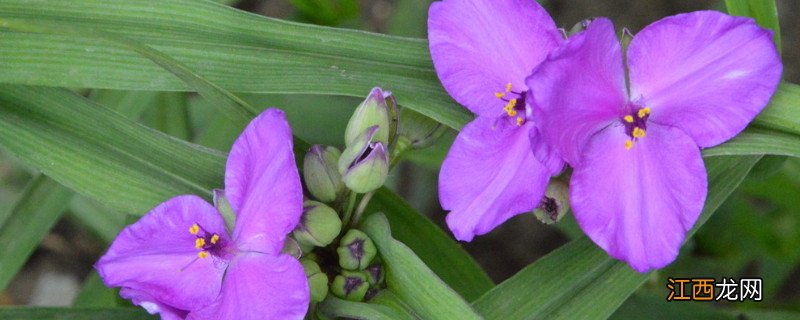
x=356 y=250
x=375 y=273
x=379 y=109
x=555 y=203
x=364 y=165
x=292 y=248
x=350 y=285
x=317 y=280
x=321 y=174
x=318 y=226
x=417 y=130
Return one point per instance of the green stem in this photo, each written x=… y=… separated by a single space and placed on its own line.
x=348 y=212
x=361 y=207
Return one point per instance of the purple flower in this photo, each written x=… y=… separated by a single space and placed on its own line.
x=639 y=183
x=482 y=51
x=180 y=261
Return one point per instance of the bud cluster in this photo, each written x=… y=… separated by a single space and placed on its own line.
x=337 y=257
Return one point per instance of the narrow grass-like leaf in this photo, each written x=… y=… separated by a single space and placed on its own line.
x=337 y=308
x=95 y=294
x=39 y=208
x=561 y=284
x=412 y=281
x=783 y=111
x=758 y=142
x=764 y=11
x=440 y=253
x=99 y=153
x=235 y=50
x=39 y=313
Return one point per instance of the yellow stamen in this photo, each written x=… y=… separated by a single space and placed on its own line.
x=643 y=112
x=499 y=95
x=214 y=239
x=628 y=144
x=512 y=112
x=508 y=87
x=199 y=243
x=628 y=119
x=638 y=132
x=202 y=254
x=519 y=121
x=194 y=229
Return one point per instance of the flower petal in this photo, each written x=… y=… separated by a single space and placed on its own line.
x=152 y=305
x=157 y=257
x=637 y=204
x=706 y=73
x=479 y=46
x=260 y=286
x=262 y=184
x=489 y=176
x=579 y=89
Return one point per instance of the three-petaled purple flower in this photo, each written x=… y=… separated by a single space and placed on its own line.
x=180 y=261
x=639 y=182
x=482 y=51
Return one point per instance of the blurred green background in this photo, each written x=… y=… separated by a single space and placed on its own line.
x=756 y=233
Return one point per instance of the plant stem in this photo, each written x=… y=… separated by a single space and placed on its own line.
x=361 y=207
x=351 y=203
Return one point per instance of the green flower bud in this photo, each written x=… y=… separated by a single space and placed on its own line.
x=321 y=174
x=379 y=109
x=356 y=250
x=350 y=285
x=417 y=130
x=364 y=165
x=318 y=226
x=291 y=248
x=375 y=273
x=317 y=280
x=555 y=203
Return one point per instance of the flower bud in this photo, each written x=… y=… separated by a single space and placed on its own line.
x=356 y=250
x=318 y=226
x=292 y=248
x=417 y=130
x=379 y=109
x=375 y=273
x=317 y=280
x=364 y=165
x=321 y=174
x=555 y=203
x=224 y=209
x=350 y=285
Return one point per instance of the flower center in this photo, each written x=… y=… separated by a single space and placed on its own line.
x=207 y=243
x=515 y=104
x=635 y=125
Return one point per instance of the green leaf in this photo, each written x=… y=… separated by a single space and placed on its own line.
x=783 y=111
x=16 y=313
x=99 y=153
x=656 y=307
x=436 y=248
x=764 y=11
x=335 y=307
x=412 y=281
x=38 y=210
x=95 y=294
x=758 y=142
x=224 y=45
x=559 y=285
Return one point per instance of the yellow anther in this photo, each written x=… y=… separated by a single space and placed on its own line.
x=202 y=254
x=508 y=87
x=628 y=144
x=643 y=112
x=199 y=243
x=628 y=119
x=499 y=95
x=638 y=132
x=194 y=229
x=520 y=121
x=214 y=239
x=511 y=112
